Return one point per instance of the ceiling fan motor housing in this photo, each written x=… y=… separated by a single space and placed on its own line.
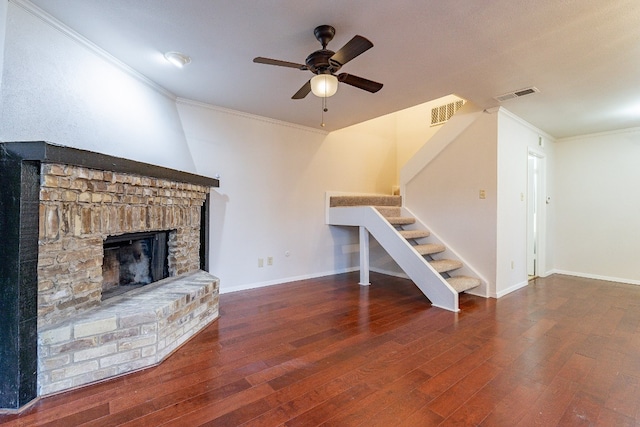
x=319 y=62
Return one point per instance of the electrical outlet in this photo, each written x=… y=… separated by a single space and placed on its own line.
x=270 y=260
x=483 y=194
x=260 y=262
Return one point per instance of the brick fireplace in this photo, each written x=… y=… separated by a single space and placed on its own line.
x=58 y=207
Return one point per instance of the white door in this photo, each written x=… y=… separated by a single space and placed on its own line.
x=535 y=202
x=531 y=216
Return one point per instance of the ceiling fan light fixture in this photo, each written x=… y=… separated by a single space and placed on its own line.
x=178 y=59
x=324 y=85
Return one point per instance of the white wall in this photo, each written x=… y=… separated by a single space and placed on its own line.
x=273 y=182
x=515 y=139
x=4 y=9
x=445 y=194
x=414 y=128
x=597 y=200
x=55 y=88
x=491 y=155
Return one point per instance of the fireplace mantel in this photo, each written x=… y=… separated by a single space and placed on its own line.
x=47 y=152
x=28 y=172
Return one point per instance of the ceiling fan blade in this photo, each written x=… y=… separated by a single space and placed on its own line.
x=359 y=82
x=304 y=91
x=353 y=48
x=269 y=61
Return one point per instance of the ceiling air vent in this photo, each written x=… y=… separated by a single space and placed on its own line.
x=516 y=94
x=441 y=114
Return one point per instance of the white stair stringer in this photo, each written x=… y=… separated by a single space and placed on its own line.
x=466 y=269
x=426 y=278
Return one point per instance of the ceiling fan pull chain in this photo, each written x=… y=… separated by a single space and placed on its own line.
x=324 y=109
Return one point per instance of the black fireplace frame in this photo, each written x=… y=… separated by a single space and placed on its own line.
x=19 y=230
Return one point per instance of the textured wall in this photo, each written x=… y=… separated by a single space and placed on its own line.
x=54 y=88
x=597 y=206
x=272 y=198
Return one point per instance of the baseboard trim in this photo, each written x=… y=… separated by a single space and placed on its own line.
x=597 y=277
x=479 y=294
x=280 y=281
x=511 y=289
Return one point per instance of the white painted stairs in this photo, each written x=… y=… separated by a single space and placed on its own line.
x=381 y=216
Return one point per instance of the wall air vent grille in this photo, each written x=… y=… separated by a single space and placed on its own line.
x=516 y=94
x=441 y=114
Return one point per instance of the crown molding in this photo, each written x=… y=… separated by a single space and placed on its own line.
x=52 y=22
x=600 y=134
x=520 y=120
x=189 y=102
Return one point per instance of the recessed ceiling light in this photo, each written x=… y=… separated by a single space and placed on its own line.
x=178 y=59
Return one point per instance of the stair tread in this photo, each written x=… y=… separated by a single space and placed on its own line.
x=444 y=265
x=463 y=283
x=414 y=234
x=401 y=220
x=389 y=211
x=429 y=248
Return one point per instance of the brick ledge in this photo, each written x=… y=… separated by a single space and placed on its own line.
x=126 y=333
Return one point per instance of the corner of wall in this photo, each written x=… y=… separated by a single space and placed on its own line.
x=4 y=8
x=49 y=94
x=516 y=141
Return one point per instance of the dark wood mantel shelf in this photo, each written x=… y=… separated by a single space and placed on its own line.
x=48 y=152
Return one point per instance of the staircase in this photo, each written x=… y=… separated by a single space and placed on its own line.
x=409 y=246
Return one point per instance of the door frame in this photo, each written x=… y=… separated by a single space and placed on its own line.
x=540 y=218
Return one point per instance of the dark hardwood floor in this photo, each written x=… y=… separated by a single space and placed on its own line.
x=562 y=351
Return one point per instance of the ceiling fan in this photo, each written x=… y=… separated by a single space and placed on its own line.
x=324 y=63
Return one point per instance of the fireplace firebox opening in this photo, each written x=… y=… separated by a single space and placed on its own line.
x=133 y=260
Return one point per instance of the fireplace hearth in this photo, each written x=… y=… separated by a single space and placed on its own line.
x=78 y=229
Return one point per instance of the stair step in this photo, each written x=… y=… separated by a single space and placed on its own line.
x=429 y=248
x=365 y=200
x=401 y=220
x=414 y=234
x=463 y=283
x=389 y=211
x=444 y=265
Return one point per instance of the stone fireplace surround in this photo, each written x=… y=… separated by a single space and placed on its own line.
x=58 y=334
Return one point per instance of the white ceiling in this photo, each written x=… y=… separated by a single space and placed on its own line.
x=583 y=55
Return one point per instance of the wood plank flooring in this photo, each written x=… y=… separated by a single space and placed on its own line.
x=328 y=352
